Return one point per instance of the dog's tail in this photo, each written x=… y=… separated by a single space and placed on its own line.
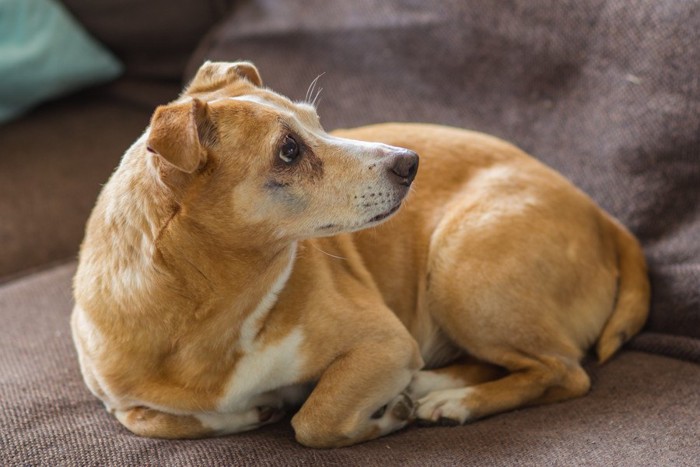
x=633 y=293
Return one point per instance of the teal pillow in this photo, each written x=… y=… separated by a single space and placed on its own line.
x=44 y=53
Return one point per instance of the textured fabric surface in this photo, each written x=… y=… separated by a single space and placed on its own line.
x=52 y=165
x=604 y=91
x=154 y=38
x=642 y=410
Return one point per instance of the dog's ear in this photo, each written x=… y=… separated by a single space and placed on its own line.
x=215 y=75
x=180 y=133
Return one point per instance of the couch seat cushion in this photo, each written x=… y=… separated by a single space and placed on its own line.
x=643 y=409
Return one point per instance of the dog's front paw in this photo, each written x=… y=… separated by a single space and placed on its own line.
x=401 y=408
x=395 y=415
x=447 y=408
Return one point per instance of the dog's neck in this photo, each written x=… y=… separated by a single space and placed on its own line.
x=238 y=274
x=119 y=246
x=166 y=260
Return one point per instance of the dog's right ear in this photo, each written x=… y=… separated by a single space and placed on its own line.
x=180 y=134
x=215 y=75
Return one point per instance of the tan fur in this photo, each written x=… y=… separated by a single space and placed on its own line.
x=218 y=284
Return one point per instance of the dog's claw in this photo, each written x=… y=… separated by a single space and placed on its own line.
x=404 y=408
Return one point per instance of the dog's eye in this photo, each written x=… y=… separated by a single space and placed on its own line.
x=289 y=150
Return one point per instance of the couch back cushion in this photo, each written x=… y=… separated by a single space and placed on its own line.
x=153 y=38
x=605 y=91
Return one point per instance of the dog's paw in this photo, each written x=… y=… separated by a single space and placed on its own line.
x=446 y=408
x=395 y=415
x=402 y=408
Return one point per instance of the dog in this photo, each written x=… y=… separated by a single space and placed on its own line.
x=241 y=261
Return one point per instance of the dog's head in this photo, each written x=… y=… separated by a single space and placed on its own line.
x=243 y=155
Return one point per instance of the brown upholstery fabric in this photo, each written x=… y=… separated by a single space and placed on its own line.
x=642 y=410
x=52 y=165
x=604 y=91
x=153 y=38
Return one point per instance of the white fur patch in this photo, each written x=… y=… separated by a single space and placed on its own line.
x=264 y=370
x=256 y=100
x=225 y=423
x=269 y=368
x=425 y=382
x=251 y=325
x=448 y=403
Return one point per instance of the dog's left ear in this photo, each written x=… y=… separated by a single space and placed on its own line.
x=215 y=75
x=180 y=134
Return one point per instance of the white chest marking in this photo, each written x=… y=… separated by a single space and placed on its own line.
x=251 y=325
x=264 y=370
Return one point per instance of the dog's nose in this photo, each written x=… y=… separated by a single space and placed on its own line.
x=404 y=166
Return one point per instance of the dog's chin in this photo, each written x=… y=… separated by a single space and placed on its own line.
x=335 y=229
x=384 y=216
x=330 y=229
x=379 y=218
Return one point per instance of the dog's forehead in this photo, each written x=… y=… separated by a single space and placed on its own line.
x=303 y=112
x=259 y=100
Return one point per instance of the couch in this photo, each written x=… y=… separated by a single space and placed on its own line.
x=605 y=91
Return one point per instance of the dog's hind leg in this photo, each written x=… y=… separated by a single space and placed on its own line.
x=538 y=382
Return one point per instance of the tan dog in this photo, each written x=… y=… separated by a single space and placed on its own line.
x=207 y=301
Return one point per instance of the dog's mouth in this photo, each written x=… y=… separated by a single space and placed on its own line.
x=386 y=214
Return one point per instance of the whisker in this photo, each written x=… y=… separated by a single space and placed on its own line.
x=312 y=88
x=309 y=90
x=317 y=99
x=409 y=196
x=326 y=253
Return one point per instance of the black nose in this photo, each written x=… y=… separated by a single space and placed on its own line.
x=404 y=166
